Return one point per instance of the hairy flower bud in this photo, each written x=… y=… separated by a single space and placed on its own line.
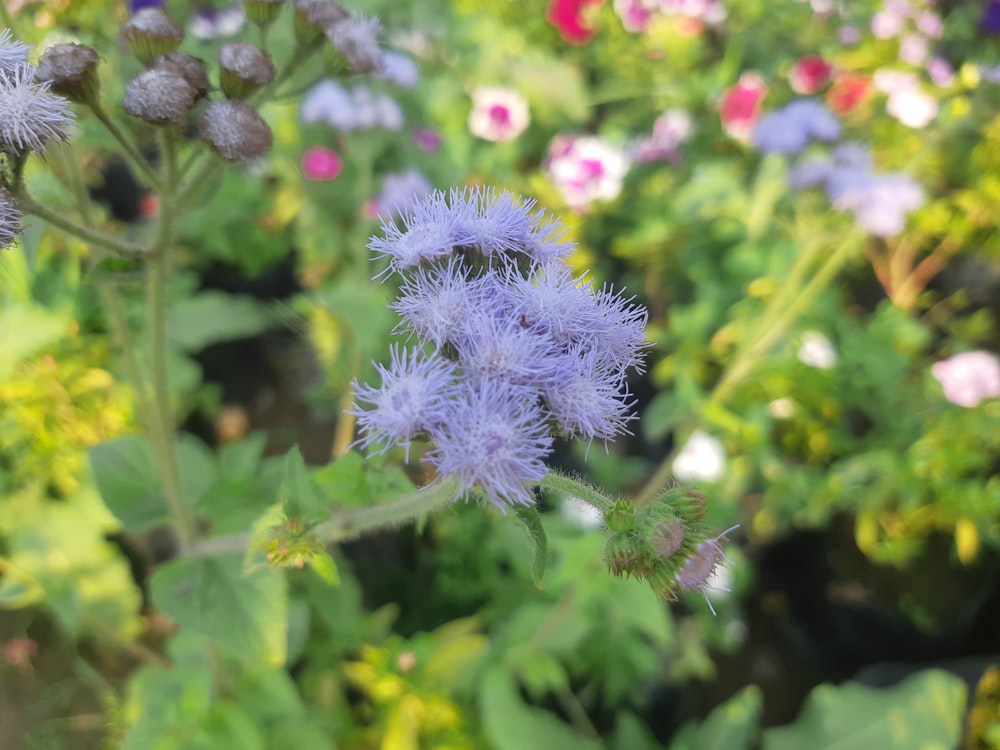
x=621 y=517
x=10 y=219
x=188 y=67
x=262 y=12
x=151 y=33
x=244 y=69
x=235 y=131
x=71 y=71
x=159 y=97
x=314 y=17
x=355 y=41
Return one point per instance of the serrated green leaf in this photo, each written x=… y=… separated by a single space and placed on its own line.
x=531 y=519
x=924 y=711
x=244 y=613
x=731 y=726
x=130 y=487
x=297 y=497
x=511 y=724
x=322 y=562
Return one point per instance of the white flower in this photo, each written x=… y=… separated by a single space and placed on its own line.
x=498 y=114
x=816 y=350
x=584 y=515
x=912 y=107
x=702 y=458
x=969 y=378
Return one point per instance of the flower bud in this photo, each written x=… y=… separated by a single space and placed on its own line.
x=71 y=71
x=666 y=537
x=621 y=556
x=244 y=69
x=10 y=219
x=262 y=12
x=355 y=42
x=621 y=517
x=188 y=67
x=150 y=33
x=235 y=131
x=159 y=97
x=314 y=17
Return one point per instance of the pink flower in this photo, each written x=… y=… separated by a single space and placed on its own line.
x=570 y=19
x=810 y=74
x=498 y=114
x=586 y=169
x=969 y=378
x=914 y=49
x=321 y=164
x=887 y=24
x=634 y=14
x=739 y=106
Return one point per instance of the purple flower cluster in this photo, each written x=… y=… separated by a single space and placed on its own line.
x=880 y=202
x=790 y=129
x=513 y=350
x=358 y=108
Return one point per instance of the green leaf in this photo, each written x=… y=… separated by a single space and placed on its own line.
x=213 y=316
x=511 y=724
x=228 y=726
x=322 y=562
x=245 y=614
x=129 y=485
x=731 y=726
x=632 y=734
x=924 y=711
x=242 y=458
x=24 y=329
x=344 y=480
x=297 y=497
x=529 y=516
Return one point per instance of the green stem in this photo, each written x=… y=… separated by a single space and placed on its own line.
x=92 y=236
x=346 y=524
x=776 y=322
x=138 y=161
x=158 y=272
x=578 y=489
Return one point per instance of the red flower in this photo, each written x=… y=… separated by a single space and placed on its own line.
x=810 y=74
x=569 y=17
x=739 y=106
x=847 y=92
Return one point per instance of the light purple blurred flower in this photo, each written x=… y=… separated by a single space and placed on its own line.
x=969 y=378
x=886 y=24
x=670 y=130
x=586 y=169
x=427 y=139
x=849 y=35
x=359 y=108
x=400 y=191
x=635 y=15
x=399 y=69
x=929 y=23
x=881 y=202
x=940 y=71
x=214 y=24
x=914 y=49
x=790 y=129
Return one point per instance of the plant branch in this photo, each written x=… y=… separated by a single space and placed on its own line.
x=138 y=160
x=127 y=249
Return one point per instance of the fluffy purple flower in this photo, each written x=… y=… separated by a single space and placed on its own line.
x=345 y=110
x=30 y=115
x=400 y=70
x=533 y=353
x=969 y=378
x=13 y=54
x=495 y=437
x=789 y=130
x=881 y=202
x=413 y=399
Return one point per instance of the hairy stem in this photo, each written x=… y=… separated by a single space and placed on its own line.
x=138 y=160
x=91 y=236
x=578 y=489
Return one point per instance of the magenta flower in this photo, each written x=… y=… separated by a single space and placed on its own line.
x=739 y=106
x=969 y=378
x=809 y=74
x=321 y=164
x=586 y=169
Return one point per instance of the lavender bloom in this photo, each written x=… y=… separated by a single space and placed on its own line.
x=881 y=202
x=789 y=130
x=400 y=70
x=413 y=399
x=969 y=378
x=533 y=353
x=347 y=110
x=30 y=116
x=13 y=54
x=495 y=437
x=213 y=24
x=400 y=191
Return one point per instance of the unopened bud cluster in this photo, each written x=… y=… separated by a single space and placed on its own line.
x=664 y=542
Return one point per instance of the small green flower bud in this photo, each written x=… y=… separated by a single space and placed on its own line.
x=262 y=12
x=159 y=97
x=244 y=69
x=621 y=517
x=621 y=556
x=235 y=131
x=71 y=71
x=150 y=33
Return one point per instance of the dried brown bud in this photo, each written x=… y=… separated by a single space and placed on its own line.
x=235 y=131
x=150 y=33
x=71 y=71
x=160 y=97
x=244 y=69
x=188 y=67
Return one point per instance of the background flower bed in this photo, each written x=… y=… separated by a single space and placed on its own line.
x=830 y=418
